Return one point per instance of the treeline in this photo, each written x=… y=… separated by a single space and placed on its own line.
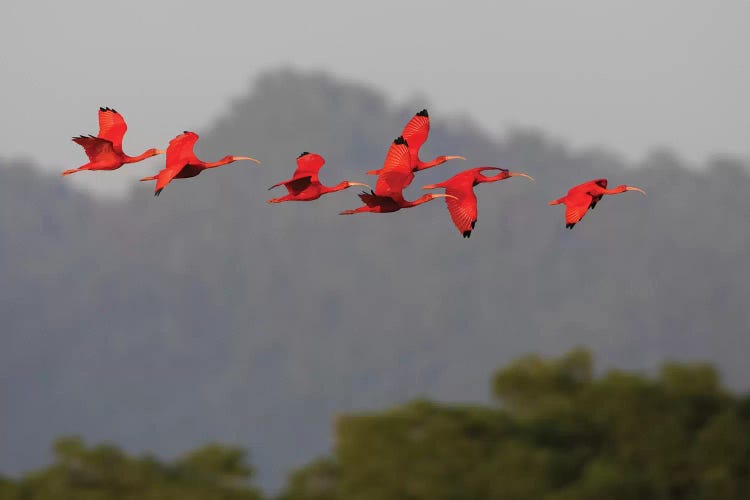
x=556 y=432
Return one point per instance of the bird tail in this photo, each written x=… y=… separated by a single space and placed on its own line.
x=555 y=202
x=432 y=186
x=150 y=178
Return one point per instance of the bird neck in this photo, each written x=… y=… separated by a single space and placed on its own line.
x=422 y=199
x=421 y=165
x=617 y=190
x=223 y=161
x=146 y=154
x=338 y=187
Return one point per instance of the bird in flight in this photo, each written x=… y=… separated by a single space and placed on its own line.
x=463 y=206
x=182 y=163
x=415 y=134
x=304 y=184
x=388 y=195
x=584 y=196
x=105 y=150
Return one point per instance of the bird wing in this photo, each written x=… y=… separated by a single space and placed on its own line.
x=164 y=177
x=112 y=127
x=576 y=206
x=94 y=147
x=180 y=151
x=295 y=185
x=396 y=173
x=464 y=209
x=373 y=200
x=416 y=131
x=308 y=165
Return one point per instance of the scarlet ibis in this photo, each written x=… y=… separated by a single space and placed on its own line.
x=105 y=150
x=388 y=195
x=463 y=208
x=415 y=133
x=182 y=163
x=304 y=184
x=584 y=196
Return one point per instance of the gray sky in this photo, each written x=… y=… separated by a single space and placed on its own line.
x=629 y=75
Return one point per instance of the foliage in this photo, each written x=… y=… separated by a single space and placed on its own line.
x=558 y=433
x=105 y=472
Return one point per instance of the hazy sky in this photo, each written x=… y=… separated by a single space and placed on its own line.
x=628 y=74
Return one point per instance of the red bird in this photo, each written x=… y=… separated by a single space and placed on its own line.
x=388 y=195
x=463 y=207
x=584 y=196
x=105 y=150
x=415 y=134
x=304 y=184
x=182 y=162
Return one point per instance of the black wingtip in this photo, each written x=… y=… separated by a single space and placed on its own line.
x=400 y=140
x=303 y=154
x=158 y=192
x=423 y=113
x=185 y=132
x=467 y=234
x=570 y=225
x=473 y=223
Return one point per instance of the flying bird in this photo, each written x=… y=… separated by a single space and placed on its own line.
x=105 y=150
x=388 y=195
x=463 y=206
x=182 y=163
x=415 y=134
x=584 y=196
x=304 y=184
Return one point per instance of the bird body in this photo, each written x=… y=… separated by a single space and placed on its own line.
x=584 y=196
x=393 y=178
x=105 y=149
x=463 y=206
x=415 y=134
x=304 y=184
x=182 y=163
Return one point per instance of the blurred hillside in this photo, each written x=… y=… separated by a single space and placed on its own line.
x=206 y=314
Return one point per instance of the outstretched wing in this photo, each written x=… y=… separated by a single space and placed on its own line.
x=164 y=177
x=463 y=210
x=576 y=206
x=95 y=147
x=416 y=132
x=294 y=185
x=308 y=165
x=112 y=127
x=396 y=173
x=180 y=150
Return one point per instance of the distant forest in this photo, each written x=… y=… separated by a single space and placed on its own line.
x=555 y=431
x=207 y=315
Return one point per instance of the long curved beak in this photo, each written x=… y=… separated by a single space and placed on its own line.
x=360 y=184
x=246 y=158
x=449 y=158
x=633 y=188
x=520 y=174
x=445 y=196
